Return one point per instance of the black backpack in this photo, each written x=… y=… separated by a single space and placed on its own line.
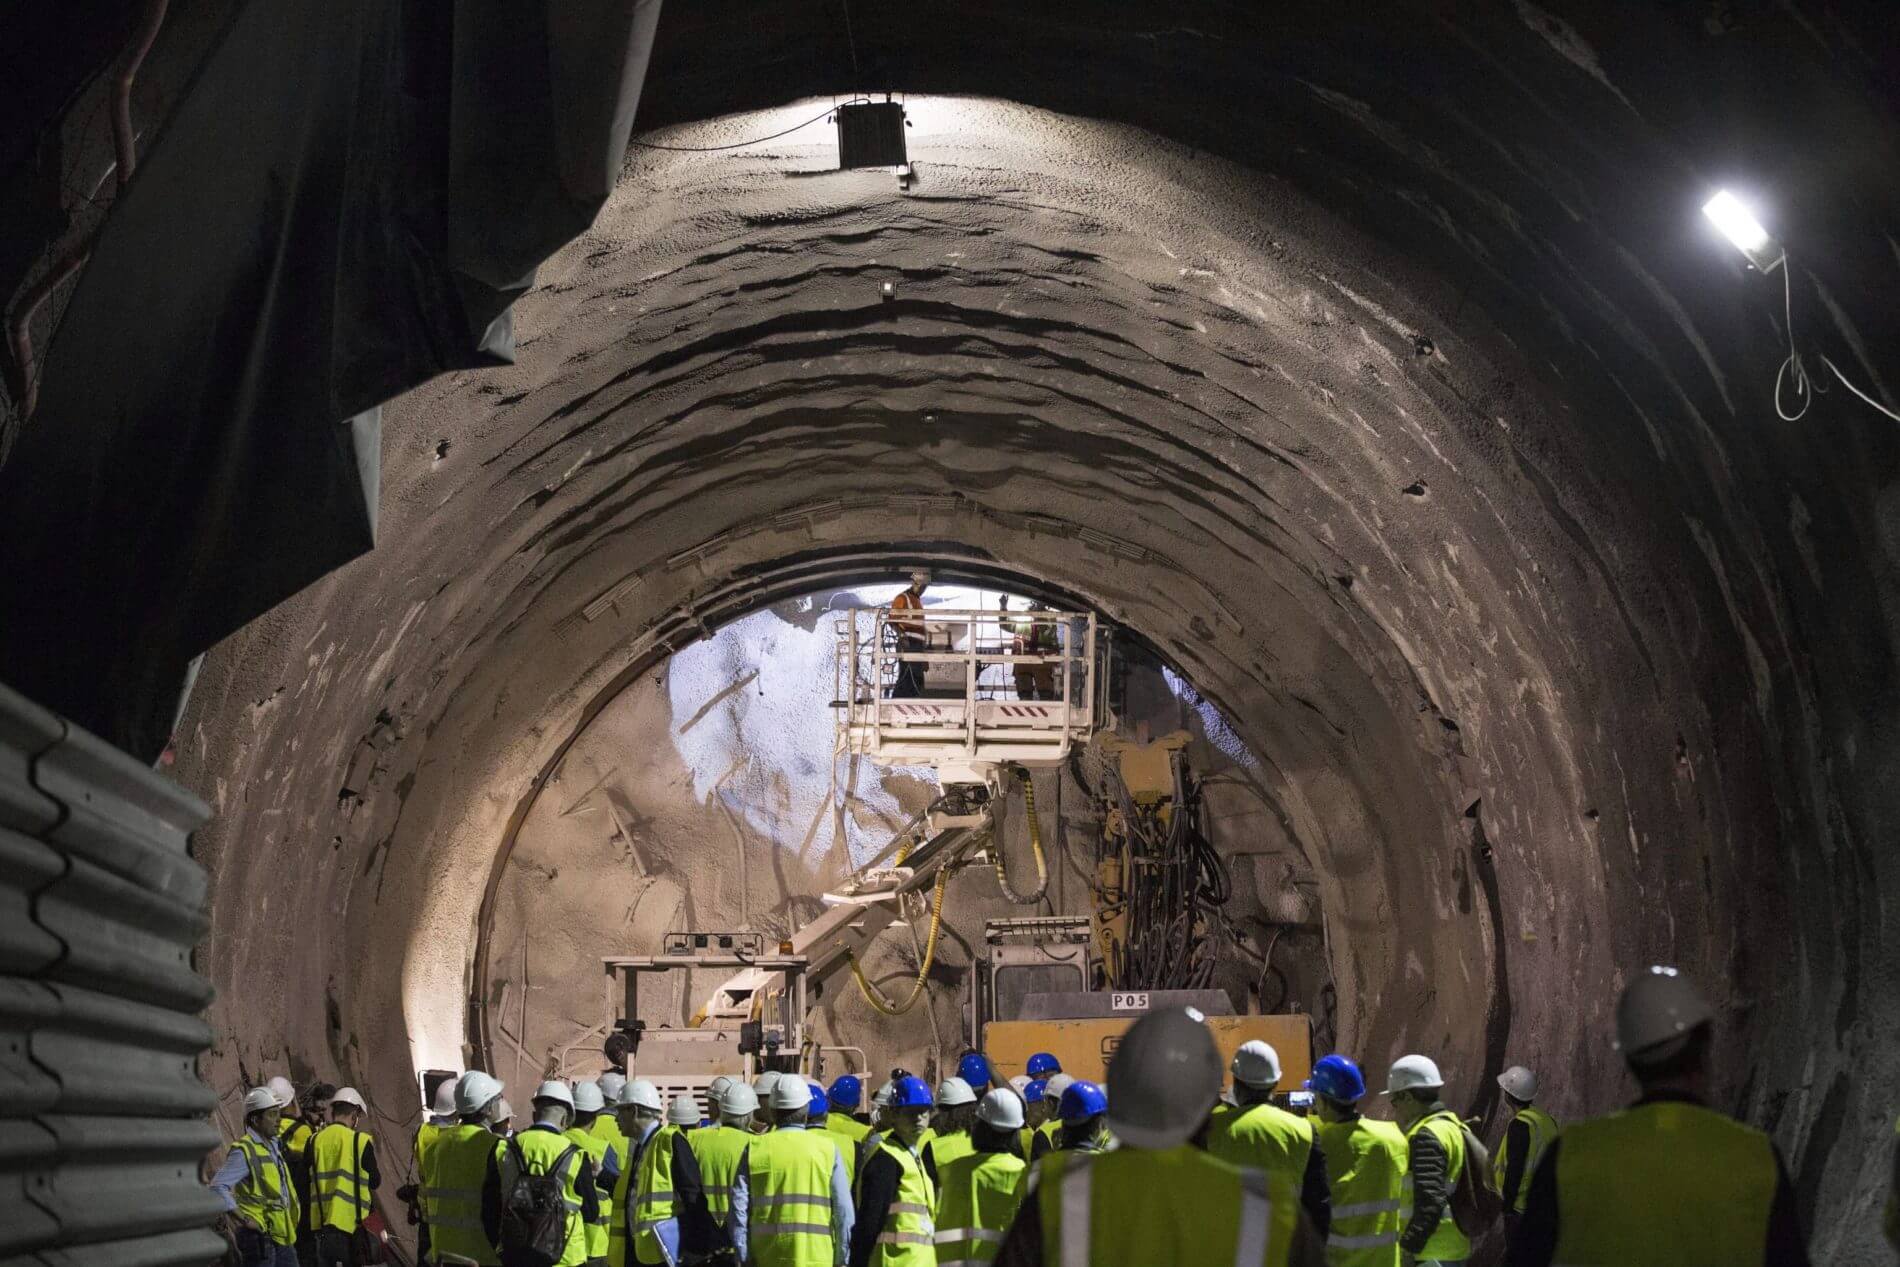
x=534 y=1213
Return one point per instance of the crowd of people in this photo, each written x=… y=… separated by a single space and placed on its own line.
x=1159 y=1166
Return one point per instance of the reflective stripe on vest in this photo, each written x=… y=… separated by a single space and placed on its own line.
x=1666 y=1182
x=541 y=1152
x=653 y=1199
x=1543 y=1129
x=1264 y=1138
x=456 y=1168
x=718 y=1150
x=1446 y=1241
x=1135 y=1207
x=977 y=1198
x=339 y=1190
x=1367 y=1182
x=788 y=1191
x=908 y=1237
x=266 y=1196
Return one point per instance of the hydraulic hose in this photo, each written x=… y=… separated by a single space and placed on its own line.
x=1035 y=844
x=873 y=995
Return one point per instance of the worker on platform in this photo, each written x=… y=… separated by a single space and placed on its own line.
x=720 y=1148
x=762 y=1087
x=913 y=637
x=638 y=1112
x=950 y=1137
x=1157 y=1199
x=1365 y=1169
x=1667 y=1180
x=670 y=1218
x=896 y=1198
x=1435 y=1157
x=1082 y=1120
x=544 y=1148
x=589 y=1108
x=1530 y=1132
x=455 y=1171
x=342 y=1178
x=1034 y=634
x=977 y=1194
x=257 y=1189
x=1252 y=1132
x=791 y=1199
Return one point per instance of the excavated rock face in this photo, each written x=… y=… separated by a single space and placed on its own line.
x=1558 y=653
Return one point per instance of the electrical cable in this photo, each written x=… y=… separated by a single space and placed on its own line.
x=873 y=995
x=739 y=145
x=1857 y=391
x=1035 y=844
x=1795 y=373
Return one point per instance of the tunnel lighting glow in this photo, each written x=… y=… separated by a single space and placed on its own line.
x=1740 y=226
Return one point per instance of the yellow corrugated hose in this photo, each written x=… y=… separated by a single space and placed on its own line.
x=873 y=995
x=1035 y=844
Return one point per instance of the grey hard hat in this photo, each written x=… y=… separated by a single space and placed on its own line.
x=1164 y=1079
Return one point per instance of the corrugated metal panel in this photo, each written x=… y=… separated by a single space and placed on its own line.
x=102 y=1115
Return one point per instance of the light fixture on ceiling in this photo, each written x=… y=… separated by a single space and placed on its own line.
x=1739 y=225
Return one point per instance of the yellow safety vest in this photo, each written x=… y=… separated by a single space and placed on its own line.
x=851 y=1135
x=1446 y=1241
x=653 y=1197
x=788 y=1195
x=596 y=1149
x=339 y=1188
x=607 y=1127
x=947 y=1148
x=266 y=1197
x=1543 y=1129
x=1666 y=1182
x=718 y=1150
x=977 y=1196
x=624 y=1189
x=295 y=1134
x=909 y=1235
x=1366 y=1181
x=1265 y=1138
x=452 y=1179
x=541 y=1152
x=1139 y=1207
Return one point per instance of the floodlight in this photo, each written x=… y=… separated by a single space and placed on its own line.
x=1739 y=225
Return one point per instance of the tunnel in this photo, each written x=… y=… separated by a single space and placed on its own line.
x=1376 y=374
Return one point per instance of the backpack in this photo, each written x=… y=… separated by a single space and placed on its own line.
x=534 y=1213
x=1475 y=1203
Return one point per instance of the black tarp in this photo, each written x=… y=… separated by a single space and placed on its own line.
x=344 y=203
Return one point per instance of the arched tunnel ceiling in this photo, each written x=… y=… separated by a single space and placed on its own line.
x=1441 y=471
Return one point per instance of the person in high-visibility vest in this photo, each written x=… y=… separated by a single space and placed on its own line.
x=1082 y=1120
x=544 y=1148
x=342 y=1179
x=912 y=637
x=1157 y=1198
x=765 y=1117
x=1530 y=1132
x=1365 y=1169
x=978 y=1193
x=791 y=1200
x=588 y=1106
x=843 y=1100
x=454 y=1172
x=1050 y=1128
x=639 y=1112
x=720 y=1148
x=896 y=1199
x=1254 y=1132
x=1669 y=1179
x=1435 y=1160
x=256 y=1186
x=669 y=1217
x=955 y=1115
x=441 y=1116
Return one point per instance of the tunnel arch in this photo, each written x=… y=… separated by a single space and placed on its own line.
x=1334 y=467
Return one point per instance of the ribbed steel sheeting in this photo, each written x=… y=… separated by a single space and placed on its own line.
x=103 y=1119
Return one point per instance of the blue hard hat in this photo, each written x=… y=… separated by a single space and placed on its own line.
x=820 y=1102
x=1082 y=1100
x=847 y=1092
x=1337 y=1078
x=1033 y=1092
x=911 y=1093
x=1042 y=1064
x=975 y=1070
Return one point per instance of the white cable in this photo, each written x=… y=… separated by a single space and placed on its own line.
x=1794 y=373
x=1857 y=391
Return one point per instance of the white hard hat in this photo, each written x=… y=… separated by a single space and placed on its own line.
x=499 y=1110
x=1002 y=1110
x=475 y=1091
x=716 y=1091
x=683 y=1111
x=444 y=1103
x=1658 y=1006
x=1020 y=1083
x=1256 y=1065
x=1412 y=1073
x=738 y=1101
x=1057 y=1084
x=259 y=1098
x=954 y=1091
x=789 y=1092
x=881 y=1098
x=349 y=1095
x=611 y=1083
x=587 y=1098
x=639 y=1094
x=554 y=1092
x=763 y=1084
x=1519 y=1083
x=1165 y=1077
x=281 y=1088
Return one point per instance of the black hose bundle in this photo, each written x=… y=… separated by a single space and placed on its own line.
x=1173 y=888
